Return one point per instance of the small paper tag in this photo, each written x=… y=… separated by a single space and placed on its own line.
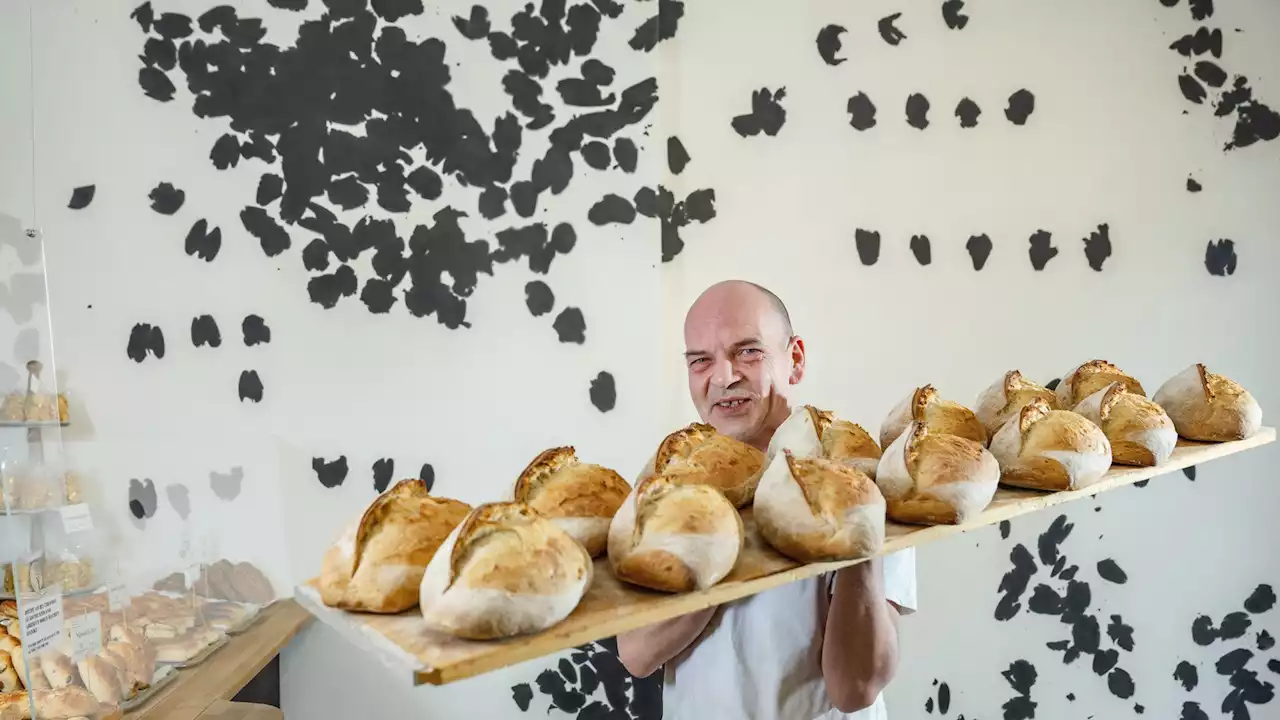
x=86 y=635
x=76 y=518
x=117 y=597
x=41 y=623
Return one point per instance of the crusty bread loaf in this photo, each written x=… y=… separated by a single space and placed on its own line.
x=809 y=432
x=675 y=536
x=102 y=679
x=579 y=497
x=1006 y=397
x=1209 y=407
x=1088 y=379
x=940 y=417
x=698 y=453
x=505 y=571
x=814 y=509
x=30 y=674
x=9 y=680
x=135 y=666
x=68 y=702
x=377 y=564
x=1044 y=449
x=58 y=669
x=1138 y=429
x=935 y=478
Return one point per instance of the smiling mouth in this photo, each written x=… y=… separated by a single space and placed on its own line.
x=731 y=404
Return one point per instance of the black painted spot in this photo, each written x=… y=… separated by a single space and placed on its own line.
x=145 y=16
x=603 y=392
x=944 y=698
x=888 y=31
x=1202 y=41
x=1265 y=641
x=1200 y=9
x=1191 y=89
x=1192 y=711
x=1233 y=661
x=250 y=386
x=1120 y=633
x=868 y=243
x=1097 y=247
x=1193 y=185
x=917 y=111
x=204 y=331
x=173 y=26
x=1234 y=626
x=829 y=44
x=1274 y=666
x=427 y=474
x=862 y=112
x=1202 y=630
x=142 y=498
x=81 y=197
x=952 y=15
x=1058 y=566
x=167 y=199
x=1210 y=73
x=273 y=238
x=570 y=326
x=315 y=256
x=1185 y=673
x=476 y=25
x=767 y=114
x=1138 y=708
x=1255 y=121
x=202 y=242
x=1262 y=599
x=1021 y=104
x=538 y=297
x=1112 y=572
x=226 y=152
x=271 y=187
x=928 y=705
x=1071 y=697
x=1141 y=483
x=921 y=249
x=393 y=10
x=522 y=694
x=145 y=339
x=968 y=112
x=1041 y=250
x=1021 y=676
x=1190 y=472
x=255 y=331
x=1220 y=257
x=626 y=154
x=326 y=290
x=979 y=247
x=677 y=156
x=1120 y=684
x=533 y=242
x=662 y=26
x=382 y=471
x=330 y=474
x=1045 y=601
x=1005 y=527
x=612 y=209
x=1014 y=583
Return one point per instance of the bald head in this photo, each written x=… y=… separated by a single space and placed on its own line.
x=740 y=292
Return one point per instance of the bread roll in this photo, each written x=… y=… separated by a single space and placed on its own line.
x=579 y=497
x=1088 y=379
x=934 y=478
x=9 y=680
x=131 y=662
x=1138 y=429
x=1044 y=449
x=941 y=417
x=814 y=509
x=67 y=702
x=810 y=432
x=31 y=675
x=57 y=669
x=698 y=453
x=1006 y=397
x=102 y=679
x=377 y=564
x=506 y=570
x=675 y=536
x=1209 y=407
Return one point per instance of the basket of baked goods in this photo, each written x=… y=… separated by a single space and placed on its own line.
x=228 y=596
x=30 y=403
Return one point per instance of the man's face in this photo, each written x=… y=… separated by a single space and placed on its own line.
x=740 y=362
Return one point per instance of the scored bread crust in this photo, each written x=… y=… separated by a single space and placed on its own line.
x=1006 y=397
x=1139 y=430
x=1046 y=449
x=925 y=406
x=579 y=497
x=932 y=478
x=1208 y=407
x=811 y=432
x=377 y=564
x=1089 y=378
x=506 y=570
x=817 y=509
x=697 y=453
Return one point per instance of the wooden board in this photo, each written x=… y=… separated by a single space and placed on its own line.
x=405 y=645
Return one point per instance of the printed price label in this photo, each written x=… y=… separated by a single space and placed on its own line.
x=76 y=518
x=41 y=623
x=86 y=635
x=117 y=597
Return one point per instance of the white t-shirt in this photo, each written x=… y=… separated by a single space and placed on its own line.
x=759 y=658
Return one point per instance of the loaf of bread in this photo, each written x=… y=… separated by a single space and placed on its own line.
x=1088 y=379
x=814 y=509
x=68 y=702
x=505 y=571
x=102 y=678
x=934 y=478
x=698 y=453
x=940 y=417
x=809 y=432
x=1006 y=397
x=579 y=497
x=133 y=664
x=1138 y=429
x=31 y=675
x=1209 y=407
x=58 y=669
x=9 y=679
x=675 y=536
x=377 y=564
x=1045 y=449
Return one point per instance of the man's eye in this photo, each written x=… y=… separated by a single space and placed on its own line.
x=695 y=361
x=750 y=352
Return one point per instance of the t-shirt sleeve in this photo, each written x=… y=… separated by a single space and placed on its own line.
x=900 y=580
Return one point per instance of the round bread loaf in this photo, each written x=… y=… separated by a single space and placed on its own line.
x=930 y=478
x=1045 y=449
x=579 y=497
x=814 y=509
x=1138 y=429
x=940 y=417
x=1208 y=407
x=1006 y=397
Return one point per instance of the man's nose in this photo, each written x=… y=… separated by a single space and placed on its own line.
x=724 y=373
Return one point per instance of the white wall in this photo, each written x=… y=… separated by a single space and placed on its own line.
x=1107 y=143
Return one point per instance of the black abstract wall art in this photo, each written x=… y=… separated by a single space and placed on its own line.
x=1220 y=257
x=868 y=245
x=603 y=392
x=767 y=114
x=250 y=386
x=862 y=112
x=142 y=498
x=889 y=32
x=167 y=199
x=81 y=197
x=979 y=247
x=202 y=242
x=204 y=332
x=573 y=684
x=145 y=340
x=829 y=44
x=953 y=15
x=331 y=474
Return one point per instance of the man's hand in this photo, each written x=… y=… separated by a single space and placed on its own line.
x=860 y=642
x=645 y=650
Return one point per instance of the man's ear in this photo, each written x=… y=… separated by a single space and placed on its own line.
x=796 y=352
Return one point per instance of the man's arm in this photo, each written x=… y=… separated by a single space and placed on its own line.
x=645 y=650
x=860 y=642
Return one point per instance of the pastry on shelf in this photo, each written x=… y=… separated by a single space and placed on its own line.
x=215 y=581
x=809 y=432
x=58 y=669
x=934 y=478
x=675 y=537
x=579 y=497
x=135 y=666
x=1088 y=379
x=9 y=679
x=31 y=403
x=223 y=614
x=183 y=649
x=697 y=453
x=1006 y=397
x=812 y=509
x=1138 y=429
x=1208 y=407
x=945 y=417
x=251 y=585
x=1046 y=449
x=377 y=564
x=64 y=704
x=505 y=571
x=28 y=672
x=102 y=678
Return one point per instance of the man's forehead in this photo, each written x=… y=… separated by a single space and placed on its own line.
x=713 y=326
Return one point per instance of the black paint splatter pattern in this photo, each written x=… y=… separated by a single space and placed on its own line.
x=1220 y=257
x=255 y=331
x=202 y=242
x=538 y=298
x=573 y=684
x=1021 y=104
x=767 y=114
x=570 y=326
x=167 y=199
x=868 y=244
x=204 y=331
x=1097 y=247
x=953 y=16
x=383 y=470
x=862 y=112
x=1041 y=250
x=917 y=111
x=968 y=112
x=250 y=387
x=829 y=44
x=979 y=247
x=603 y=392
x=142 y=498
x=889 y=32
x=330 y=474
x=145 y=339
x=81 y=197
x=921 y=249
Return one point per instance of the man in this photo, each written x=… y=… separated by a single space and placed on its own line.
x=816 y=648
